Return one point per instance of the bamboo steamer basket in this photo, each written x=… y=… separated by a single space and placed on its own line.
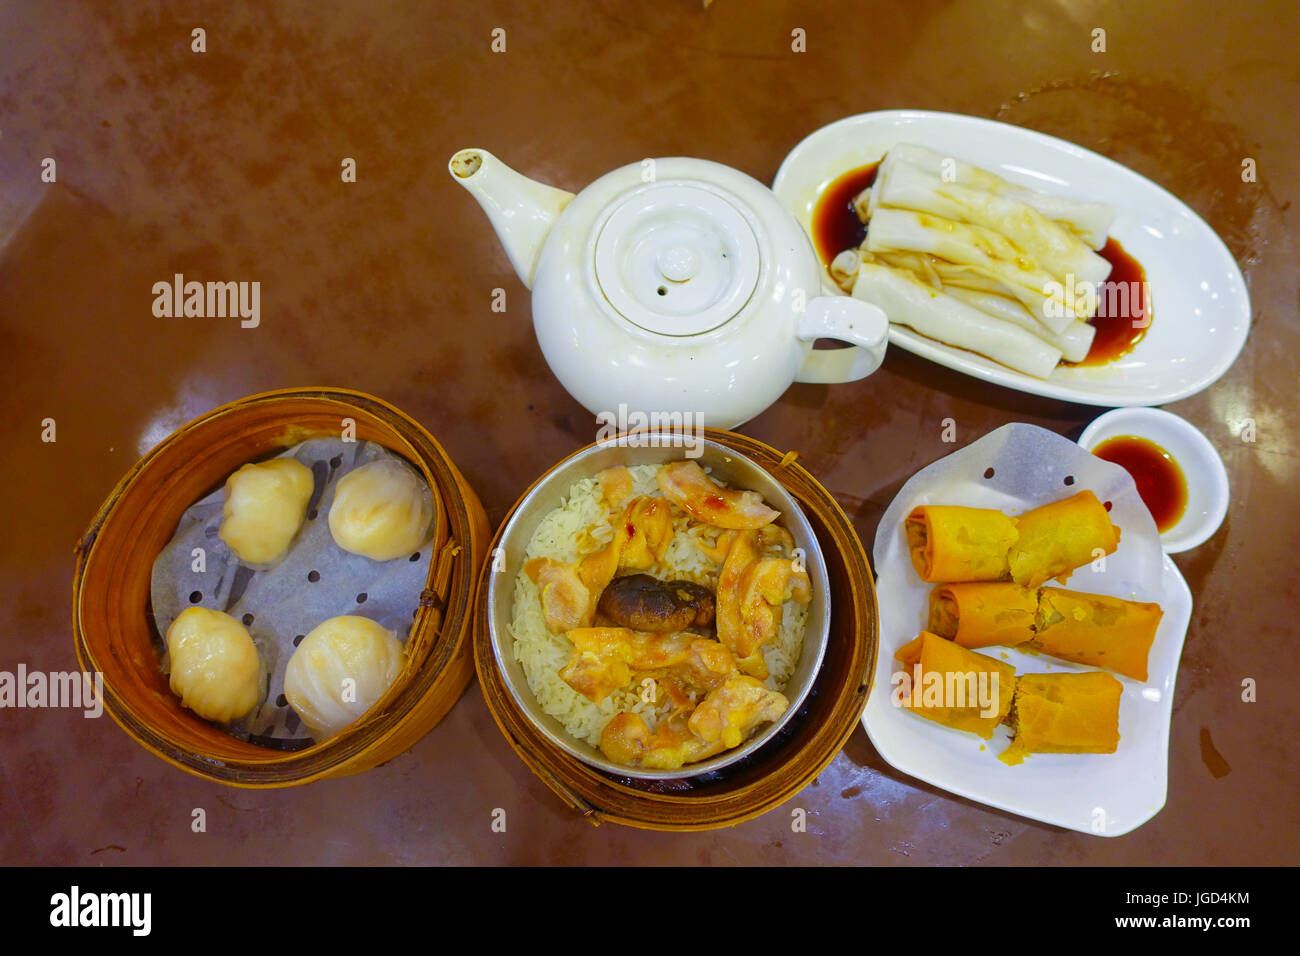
x=113 y=627
x=782 y=767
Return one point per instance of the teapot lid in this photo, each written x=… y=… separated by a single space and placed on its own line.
x=677 y=257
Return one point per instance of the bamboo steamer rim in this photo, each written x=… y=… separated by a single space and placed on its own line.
x=460 y=531
x=601 y=798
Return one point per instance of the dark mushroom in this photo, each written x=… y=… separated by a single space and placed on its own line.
x=645 y=603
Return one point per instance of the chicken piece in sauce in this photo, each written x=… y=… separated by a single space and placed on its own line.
x=717 y=552
x=605 y=659
x=687 y=486
x=628 y=740
x=751 y=590
x=731 y=712
x=566 y=599
x=597 y=569
x=775 y=541
x=648 y=523
x=764 y=586
x=723 y=720
x=615 y=485
x=641 y=536
x=708 y=666
x=731 y=625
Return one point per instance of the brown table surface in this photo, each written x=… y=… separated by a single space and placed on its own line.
x=226 y=165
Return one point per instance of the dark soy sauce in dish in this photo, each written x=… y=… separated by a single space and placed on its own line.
x=1159 y=479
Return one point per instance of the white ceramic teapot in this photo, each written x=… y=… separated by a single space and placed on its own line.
x=673 y=286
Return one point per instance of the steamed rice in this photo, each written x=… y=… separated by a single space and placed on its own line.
x=579 y=526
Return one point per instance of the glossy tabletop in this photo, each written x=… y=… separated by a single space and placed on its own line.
x=226 y=165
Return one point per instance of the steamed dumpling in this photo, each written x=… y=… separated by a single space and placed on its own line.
x=382 y=510
x=264 y=508
x=215 y=669
x=338 y=672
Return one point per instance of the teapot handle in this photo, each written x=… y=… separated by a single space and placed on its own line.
x=859 y=323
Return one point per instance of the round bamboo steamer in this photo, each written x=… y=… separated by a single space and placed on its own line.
x=778 y=770
x=114 y=629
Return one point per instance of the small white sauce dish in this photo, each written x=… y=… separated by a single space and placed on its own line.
x=1207 y=478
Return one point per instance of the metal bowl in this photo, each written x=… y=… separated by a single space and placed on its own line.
x=737 y=471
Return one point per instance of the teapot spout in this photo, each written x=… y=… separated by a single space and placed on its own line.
x=520 y=209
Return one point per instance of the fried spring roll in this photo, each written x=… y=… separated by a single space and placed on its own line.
x=950 y=543
x=954 y=686
x=1065 y=714
x=979 y=614
x=1096 y=629
x=1059 y=537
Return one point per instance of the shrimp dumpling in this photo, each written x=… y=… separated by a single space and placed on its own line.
x=215 y=668
x=382 y=510
x=338 y=672
x=264 y=508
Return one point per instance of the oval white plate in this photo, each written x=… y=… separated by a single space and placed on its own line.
x=1200 y=306
x=1104 y=794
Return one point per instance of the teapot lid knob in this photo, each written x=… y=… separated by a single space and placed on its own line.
x=677 y=257
x=679 y=263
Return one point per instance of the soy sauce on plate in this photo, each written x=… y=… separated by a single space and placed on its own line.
x=1159 y=479
x=835 y=223
x=1123 y=310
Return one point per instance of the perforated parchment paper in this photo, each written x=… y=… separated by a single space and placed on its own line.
x=317 y=580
